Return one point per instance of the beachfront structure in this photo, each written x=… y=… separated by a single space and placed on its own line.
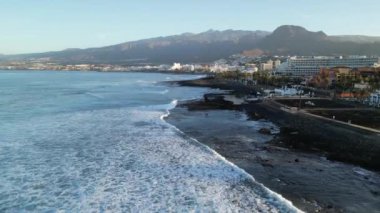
x=176 y=66
x=374 y=99
x=287 y=91
x=217 y=67
x=310 y=66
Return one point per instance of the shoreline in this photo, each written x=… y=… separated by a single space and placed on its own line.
x=111 y=71
x=302 y=131
x=250 y=177
x=305 y=176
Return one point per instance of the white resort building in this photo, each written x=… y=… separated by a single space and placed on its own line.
x=309 y=66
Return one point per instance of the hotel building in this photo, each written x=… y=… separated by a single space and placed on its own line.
x=309 y=66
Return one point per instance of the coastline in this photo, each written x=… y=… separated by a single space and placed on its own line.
x=250 y=181
x=303 y=175
x=110 y=71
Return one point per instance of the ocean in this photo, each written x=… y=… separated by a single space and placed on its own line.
x=97 y=142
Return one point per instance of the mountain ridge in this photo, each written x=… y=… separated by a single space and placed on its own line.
x=211 y=45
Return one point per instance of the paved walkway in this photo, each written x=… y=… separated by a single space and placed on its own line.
x=341 y=122
x=274 y=103
x=341 y=109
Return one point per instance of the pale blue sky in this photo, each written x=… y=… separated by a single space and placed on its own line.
x=42 y=25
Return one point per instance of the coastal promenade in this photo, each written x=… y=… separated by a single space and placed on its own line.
x=307 y=113
x=341 y=122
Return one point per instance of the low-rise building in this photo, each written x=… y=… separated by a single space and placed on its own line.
x=268 y=66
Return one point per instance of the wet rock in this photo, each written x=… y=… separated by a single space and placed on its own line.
x=265 y=131
x=267 y=165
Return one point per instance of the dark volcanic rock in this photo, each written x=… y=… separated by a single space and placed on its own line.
x=265 y=131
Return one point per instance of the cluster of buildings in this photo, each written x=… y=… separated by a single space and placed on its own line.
x=188 y=67
x=328 y=77
x=95 y=67
x=298 y=66
x=246 y=64
x=319 y=71
x=355 y=73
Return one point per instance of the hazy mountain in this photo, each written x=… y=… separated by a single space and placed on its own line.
x=212 y=45
x=292 y=40
x=356 y=38
x=187 y=47
x=295 y=40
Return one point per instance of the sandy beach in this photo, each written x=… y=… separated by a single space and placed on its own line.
x=309 y=179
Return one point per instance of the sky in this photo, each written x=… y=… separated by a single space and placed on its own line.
x=28 y=26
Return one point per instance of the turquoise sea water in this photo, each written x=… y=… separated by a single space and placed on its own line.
x=96 y=142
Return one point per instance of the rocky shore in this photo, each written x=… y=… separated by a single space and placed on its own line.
x=298 y=162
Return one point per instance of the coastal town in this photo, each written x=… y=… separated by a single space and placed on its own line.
x=353 y=78
x=323 y=109
x=190 y=106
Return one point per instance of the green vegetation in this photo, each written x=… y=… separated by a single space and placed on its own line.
x=261 y=77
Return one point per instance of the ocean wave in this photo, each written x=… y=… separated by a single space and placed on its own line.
x=170 y=106
x=145 y=82
x=94 y=95
x=94 y=160
x=162 y=92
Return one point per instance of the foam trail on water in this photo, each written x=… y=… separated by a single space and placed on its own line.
x=163 y=92
x=171 y=106
x=94 y=95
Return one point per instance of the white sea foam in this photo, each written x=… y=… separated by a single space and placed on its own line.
x=125 y=160
x=169 y=107
x=145 y=82
x=94 y=95
x=162 y=92
x=288 y=207
x=257 y=125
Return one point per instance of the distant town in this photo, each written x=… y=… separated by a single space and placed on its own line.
x=354 y=78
